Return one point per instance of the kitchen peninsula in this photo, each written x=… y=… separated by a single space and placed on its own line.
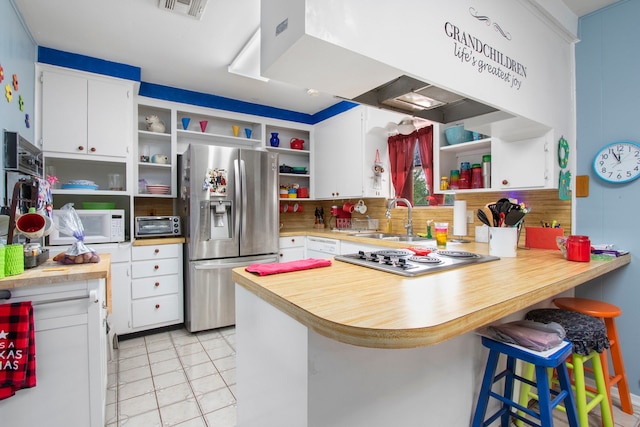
x=351 y=346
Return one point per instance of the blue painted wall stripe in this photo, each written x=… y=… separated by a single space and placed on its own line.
x=87 y=63
x=213 y=101
x=114 y=69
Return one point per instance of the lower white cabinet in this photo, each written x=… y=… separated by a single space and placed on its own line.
x=71 y=357
x=156 y=286
x=291 y=248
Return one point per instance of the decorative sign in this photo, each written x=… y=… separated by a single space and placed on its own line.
x=485 y=58
x=215 y=182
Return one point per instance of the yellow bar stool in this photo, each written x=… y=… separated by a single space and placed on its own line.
x=607 y=313
x=589 y=338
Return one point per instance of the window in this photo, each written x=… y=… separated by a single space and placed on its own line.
x=419 y=182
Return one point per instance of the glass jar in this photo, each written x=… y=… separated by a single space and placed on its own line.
x=444 y=183
x=454 y=179
x=465 y=176
x=476 y=175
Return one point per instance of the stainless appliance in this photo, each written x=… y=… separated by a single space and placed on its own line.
x=417 y=98
x=100 y=226
x=21 y=156
x=157 y=226
x=407 y=263
x=229 y=208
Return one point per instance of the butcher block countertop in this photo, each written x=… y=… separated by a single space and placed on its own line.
x=370 y=308
x=150 y=241
x=53 y=272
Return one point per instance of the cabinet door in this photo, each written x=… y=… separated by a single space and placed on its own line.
x=109 y=112
x=518 y=164
x=64 y=113
x=120 y=317
x=291 y=254
x=338 y=164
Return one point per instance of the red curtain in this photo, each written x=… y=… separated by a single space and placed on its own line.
x=425 y=145
x=401 y=149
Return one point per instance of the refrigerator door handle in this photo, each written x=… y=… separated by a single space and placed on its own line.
x=219 y=265
x=243 y=193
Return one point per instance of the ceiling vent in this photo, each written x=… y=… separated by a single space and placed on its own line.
x=193 y=8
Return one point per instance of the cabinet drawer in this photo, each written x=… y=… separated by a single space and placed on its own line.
x=140 y=253
x=155 y=286
x=156 y=310
x=155 y=268
x=291 y=242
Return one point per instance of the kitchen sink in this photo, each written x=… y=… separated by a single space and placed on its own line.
x=392 y=237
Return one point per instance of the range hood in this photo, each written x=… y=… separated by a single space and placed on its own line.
x=416 y=98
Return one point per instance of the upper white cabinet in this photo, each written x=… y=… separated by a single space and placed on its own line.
x=345 y=151
x=85 y=114
x=515 y=164
x=288 y=157
x=155 y=154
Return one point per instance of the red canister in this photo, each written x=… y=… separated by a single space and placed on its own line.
x=578 y=248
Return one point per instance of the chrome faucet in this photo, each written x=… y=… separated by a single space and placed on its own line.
x=409 y=224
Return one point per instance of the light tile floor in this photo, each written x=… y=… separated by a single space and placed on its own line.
x=174 y=378
x=182 y=379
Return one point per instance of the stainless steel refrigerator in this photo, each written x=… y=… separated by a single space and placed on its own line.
x=229 y=208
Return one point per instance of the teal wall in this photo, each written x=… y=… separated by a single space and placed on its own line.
x=17 y=56
x=608 y=110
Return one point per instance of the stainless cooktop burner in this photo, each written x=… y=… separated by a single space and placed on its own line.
x=406 y=263
x=425 y=259
x=458 y=254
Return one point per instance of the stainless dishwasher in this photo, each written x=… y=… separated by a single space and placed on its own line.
x=319 y=247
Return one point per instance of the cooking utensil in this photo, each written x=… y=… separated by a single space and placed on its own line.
x=513 y=218
x=483 y=217
x=495 y=213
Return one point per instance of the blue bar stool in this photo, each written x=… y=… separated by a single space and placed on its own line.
x=547 y=401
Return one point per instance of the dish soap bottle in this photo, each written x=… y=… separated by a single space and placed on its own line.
x=429 y=222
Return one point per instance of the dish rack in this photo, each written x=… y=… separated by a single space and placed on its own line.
x=356 y=224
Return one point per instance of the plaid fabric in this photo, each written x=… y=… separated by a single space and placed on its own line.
x=17 y=348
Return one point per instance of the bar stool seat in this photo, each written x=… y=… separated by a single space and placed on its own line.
x=542 y=361
x=607 y=313
x=589 y=338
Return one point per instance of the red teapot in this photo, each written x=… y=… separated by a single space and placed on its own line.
x=296 y=143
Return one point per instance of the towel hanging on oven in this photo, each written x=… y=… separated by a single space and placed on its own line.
x=17 y=348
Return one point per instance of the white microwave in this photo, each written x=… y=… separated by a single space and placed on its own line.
x=100 y=226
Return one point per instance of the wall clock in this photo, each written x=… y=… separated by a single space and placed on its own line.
x=618 y=162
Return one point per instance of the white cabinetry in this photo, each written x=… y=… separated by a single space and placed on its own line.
x=71 y=354
x=291 y=248
x=155 y=154
x=344 y=154
x=291 y=157
x=337 y=163
x=156 y=286
x=85 y=114
x=515 y=164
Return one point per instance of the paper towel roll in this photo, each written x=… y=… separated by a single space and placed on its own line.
x=460 y=218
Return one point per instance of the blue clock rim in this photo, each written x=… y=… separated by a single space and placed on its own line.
x=604 y=147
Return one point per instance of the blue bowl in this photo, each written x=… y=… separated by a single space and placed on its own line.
x=457 y=134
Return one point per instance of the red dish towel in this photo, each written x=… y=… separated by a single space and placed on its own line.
x=17 y=348
x=285 y=267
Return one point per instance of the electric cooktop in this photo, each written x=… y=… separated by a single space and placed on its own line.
x=407 y=263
